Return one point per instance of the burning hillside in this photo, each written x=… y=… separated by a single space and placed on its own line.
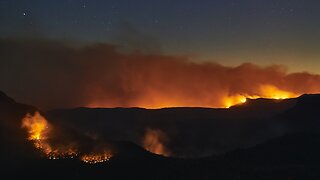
x=265 y=91
x=40 y=133
x=100 y=157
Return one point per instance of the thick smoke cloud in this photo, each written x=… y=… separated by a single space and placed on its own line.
x=53 y=74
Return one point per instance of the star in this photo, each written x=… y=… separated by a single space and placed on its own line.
x=24 y=13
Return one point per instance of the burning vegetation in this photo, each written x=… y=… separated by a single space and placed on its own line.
x=40 y=133
x=265 y=91
x=94 y=158
x=37 y=127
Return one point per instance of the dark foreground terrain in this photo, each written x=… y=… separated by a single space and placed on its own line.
x=262 y=139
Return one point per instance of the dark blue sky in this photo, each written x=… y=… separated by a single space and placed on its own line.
x=225 y=31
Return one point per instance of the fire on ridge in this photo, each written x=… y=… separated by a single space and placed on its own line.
x=160 y=100
x=39 y=131
x=266 y=91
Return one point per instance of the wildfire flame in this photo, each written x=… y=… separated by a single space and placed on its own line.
x=39 y=131
x=94 y=158
x=233 y=100
x=154 y=140
x=266 y=91
x=272 y=92
x=36 y=125
x=155 y=99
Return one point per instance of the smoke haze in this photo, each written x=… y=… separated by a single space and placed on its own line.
x=51 y=74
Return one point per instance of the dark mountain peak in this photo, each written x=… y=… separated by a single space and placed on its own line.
x=5 y=99
x=309 y=100
x=310 y=96
x=305 y=113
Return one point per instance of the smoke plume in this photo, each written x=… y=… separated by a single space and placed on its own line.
x=51 y=74
x=154 y=141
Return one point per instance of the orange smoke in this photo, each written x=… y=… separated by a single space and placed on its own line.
x=272 y=92
x=154 y=140
x=40 y=132
x=98 y=75
x=158 y=82
x=265 y=91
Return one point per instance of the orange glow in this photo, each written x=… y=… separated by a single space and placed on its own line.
x=272 y=92
x=62 y=153
x=94 y=158
x=233 y=100
x=154 y=142
x=265 y=91
x=36 y=125
x=39 y=131
x=155 y=99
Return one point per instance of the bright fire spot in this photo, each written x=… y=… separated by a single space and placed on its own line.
x=154 y=140
x=94 y=158
x=39 y=130
x=266 y=91
x=36 y=125
x=233 y=100
x=272 y=92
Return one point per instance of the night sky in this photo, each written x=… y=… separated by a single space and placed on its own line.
x=228 y=32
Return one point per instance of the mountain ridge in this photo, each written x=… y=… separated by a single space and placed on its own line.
x=278 y=146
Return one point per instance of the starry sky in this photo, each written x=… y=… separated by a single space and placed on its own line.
x=229 y=32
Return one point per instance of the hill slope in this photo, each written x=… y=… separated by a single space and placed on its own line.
x=275 y=140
